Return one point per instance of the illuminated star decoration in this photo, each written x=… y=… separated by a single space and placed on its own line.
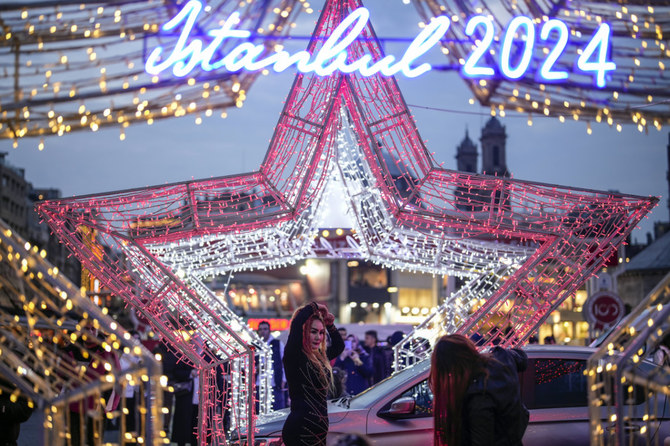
x=524 y=247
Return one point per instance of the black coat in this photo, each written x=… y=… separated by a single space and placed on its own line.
x=12 y=414
x=307 y=423
x=493 y=412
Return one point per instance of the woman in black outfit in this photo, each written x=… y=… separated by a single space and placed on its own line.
x=477 y=400
x=309 y=374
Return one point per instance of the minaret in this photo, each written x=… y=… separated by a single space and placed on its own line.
x=466 y=155
x=494 y=140
x=467 y=198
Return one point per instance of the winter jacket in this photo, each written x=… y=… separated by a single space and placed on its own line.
x=12 y=414
x=493 y=412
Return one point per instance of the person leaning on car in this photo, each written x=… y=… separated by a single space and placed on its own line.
x=477 y=398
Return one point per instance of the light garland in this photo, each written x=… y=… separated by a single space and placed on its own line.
x=524 y=246
x=72 y=67
x=637 y=92
x=617 y=381
x=47 y=349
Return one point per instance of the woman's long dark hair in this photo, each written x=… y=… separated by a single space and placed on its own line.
x=318 y=357
x=455 y=361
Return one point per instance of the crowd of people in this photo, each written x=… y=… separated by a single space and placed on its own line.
x=359 y=365
x=477 y=398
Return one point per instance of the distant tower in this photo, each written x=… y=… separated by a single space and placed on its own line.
x=466 y=155
x=494 y=139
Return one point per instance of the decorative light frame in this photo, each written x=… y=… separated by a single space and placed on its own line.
x=80 y=66
x=615 y=378
x=524 y=246
x=48 y=323
x=637 y=92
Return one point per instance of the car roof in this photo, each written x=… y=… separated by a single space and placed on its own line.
x=533 y=349
x=423 y=366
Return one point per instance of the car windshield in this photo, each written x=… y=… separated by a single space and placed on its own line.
x=386 y=386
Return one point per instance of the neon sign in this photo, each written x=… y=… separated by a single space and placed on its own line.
x=191 y=52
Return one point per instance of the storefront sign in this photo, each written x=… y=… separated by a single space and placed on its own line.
x=276 y=324
x=517 y=47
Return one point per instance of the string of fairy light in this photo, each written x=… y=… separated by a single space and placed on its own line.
x=69 y=66
x=525 y=246
x=620 y=381
x=638 y=91
x=48 y=344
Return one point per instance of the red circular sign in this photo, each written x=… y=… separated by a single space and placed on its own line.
x=604 y=309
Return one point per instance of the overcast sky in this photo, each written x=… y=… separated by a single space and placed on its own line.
x=178 y=149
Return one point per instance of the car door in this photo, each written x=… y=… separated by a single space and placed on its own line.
x=415 y=428
x=554 y=390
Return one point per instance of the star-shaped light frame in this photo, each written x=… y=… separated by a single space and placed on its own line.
x=523 y=246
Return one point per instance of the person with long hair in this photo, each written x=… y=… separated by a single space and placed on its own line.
x=476 y=397
x=309 y=374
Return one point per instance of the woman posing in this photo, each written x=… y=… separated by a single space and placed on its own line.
x=309 y=374
x=477 y=400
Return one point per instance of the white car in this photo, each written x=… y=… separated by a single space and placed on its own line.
x=398 y=410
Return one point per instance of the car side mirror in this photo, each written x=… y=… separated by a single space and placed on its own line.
x=401 y=406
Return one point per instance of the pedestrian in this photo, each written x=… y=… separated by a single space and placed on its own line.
x=168 y=361
x=356 y=364
x=278 y=376
x=661 y=355
x=378 y=360
x=87 y=415
x=184 y=394
x=549 y=340
x=477 y=400
x=13 y=411
x=309 y=374
x=391 y=343
x=343 y=332
x=339 y=387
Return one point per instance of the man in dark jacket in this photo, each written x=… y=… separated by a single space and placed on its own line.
x=278 y=376
x=12 y=414
x=378 y=359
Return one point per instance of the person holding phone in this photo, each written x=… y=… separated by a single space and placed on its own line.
x=309 y=374
x=355 y=363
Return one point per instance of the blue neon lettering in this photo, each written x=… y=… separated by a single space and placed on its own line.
x=470 y=68
x=219 y=36
x=331 y=57
x=334 y=49
x=426 y=39
x=546 y=71
x=190 y=52
x=529 y=43
x=600 y=43
x=181 y=51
